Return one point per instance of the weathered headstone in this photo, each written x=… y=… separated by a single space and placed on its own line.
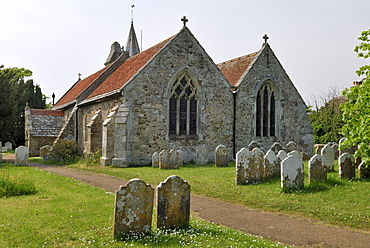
x=291 y=146
x=292 y=176
x=155 y=160
x=346 y=166
x=276 y=147
x=363 y=170
x=9 y=145
x=296 y=154
x=201 y=154
x=44 y=150
x=318 y=148
x=21 y=156
x=4 y=149
x=176 y=159
x=249 y=166
x=281 y=155
x=221 y=156
x=180 y=158
x=270 y=164
x=336 y=150
x=133 y=208
x=252 y=145
x=164 y=159
x=173 y=203
x=350 y=150
x=317 y=170
x=328 y=153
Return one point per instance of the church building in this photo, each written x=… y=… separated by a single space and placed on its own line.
x=173 y=96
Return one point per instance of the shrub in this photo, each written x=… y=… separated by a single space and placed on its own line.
x=65 y=152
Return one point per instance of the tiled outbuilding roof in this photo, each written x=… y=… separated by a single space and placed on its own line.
x=234 y=69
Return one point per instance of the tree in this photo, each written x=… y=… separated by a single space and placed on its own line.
x=356 y=112
x=14 y=96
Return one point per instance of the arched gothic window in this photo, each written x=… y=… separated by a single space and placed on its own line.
x=183 y=107
x=265 y=111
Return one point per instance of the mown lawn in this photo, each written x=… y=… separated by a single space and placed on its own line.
x=66 y=213
x=344 y=203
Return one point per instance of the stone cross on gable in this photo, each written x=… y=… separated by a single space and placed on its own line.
x=184 y=20
x=265 y=37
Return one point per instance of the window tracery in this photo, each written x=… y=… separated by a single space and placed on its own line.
x=266 y=111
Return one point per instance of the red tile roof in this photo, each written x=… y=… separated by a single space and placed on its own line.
x=47 y=112
x=80 y=86
x=234 y=69
x=127 y=70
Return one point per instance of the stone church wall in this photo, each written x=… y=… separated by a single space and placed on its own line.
x=292 y=123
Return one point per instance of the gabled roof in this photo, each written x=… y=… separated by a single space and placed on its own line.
x=234 y=69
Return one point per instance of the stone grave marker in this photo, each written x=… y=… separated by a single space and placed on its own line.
x=270 y=165
x=276 y=147
x=292 y=173
x=317 y=170
x=164 y=159
x=180 y=158
x=9 y=145
x=350 y=150
x=328 y=153
x=346 y=164
x=21 y=156
x=44 y=150
x=173 y=203
x=336 y=150
x=133 y=208
x=4 y=149
x=296 y=154
x=155 y=160
x=1 y=157
x=249 y=166
x=363 y=171
x=318 y=148
x=221 y=156
x=252 y=145
x=291 y=146
x=281 y=155
x=201 y=154
x=176 y=159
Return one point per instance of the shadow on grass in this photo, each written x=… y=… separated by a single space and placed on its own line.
x=317 y=186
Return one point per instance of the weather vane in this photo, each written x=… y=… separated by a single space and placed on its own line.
x=132 y=12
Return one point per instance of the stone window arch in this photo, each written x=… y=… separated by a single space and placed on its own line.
x=183 y=106
x=266 y=109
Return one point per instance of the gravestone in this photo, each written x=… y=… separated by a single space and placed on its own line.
x=346 y=164
x=318 y=148
x=155 y=160
x=363 y=171
x=350 y=150
x=249 y=166
x=201 y=155
x=271 y=165
x=173 y=203
x=1 y=157
x=296 y=154
x=164 y=159
x=336 y=150
x=4 y=149
x=21 y=156
x=9 y=145
x=252 y=145
x=281 y=155
x=176 y=159
x=291 y=146
x=276 y=147
x=328 y=153
x=180 y=158
x=292 y=173
x=133 y=208
x=221 y=156
x=45 y=150
x=317 y=170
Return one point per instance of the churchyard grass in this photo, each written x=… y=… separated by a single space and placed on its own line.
x=338 y=202
x=65 y=212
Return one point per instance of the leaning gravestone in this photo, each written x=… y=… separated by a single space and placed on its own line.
x=155 y=160
x=363 y=171
x=291 y=146
x=317 y=170
x=249 y=166
x=133 y=208
x=270 y=164
x=292 y=173
x=346 y=166
x=328 y=153
x=9 y=145
x=173 y=203
x=252 y=145
x=21 y=156
x=164 y=159
x=221 y=156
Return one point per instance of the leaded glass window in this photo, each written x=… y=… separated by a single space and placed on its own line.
x=265 y=111
x=183 y=104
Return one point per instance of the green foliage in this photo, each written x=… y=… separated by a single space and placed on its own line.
x=356 y=112
x=15 y=93
x=64 y=152
x=15 y=186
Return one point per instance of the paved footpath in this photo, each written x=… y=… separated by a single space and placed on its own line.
x=277 y=227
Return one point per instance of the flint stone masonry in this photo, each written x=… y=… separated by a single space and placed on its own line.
x=271 y=165
x=21 y=156
x=133 y=208
x=221 y=156
x=173 y=203
x=328 y=153
x=346 y=166
x=249 y=166
x=292 y=173
x=317 y=170
x=291 y=146
x=155 y=160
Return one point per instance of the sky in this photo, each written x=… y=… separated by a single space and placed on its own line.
x=57 y=40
